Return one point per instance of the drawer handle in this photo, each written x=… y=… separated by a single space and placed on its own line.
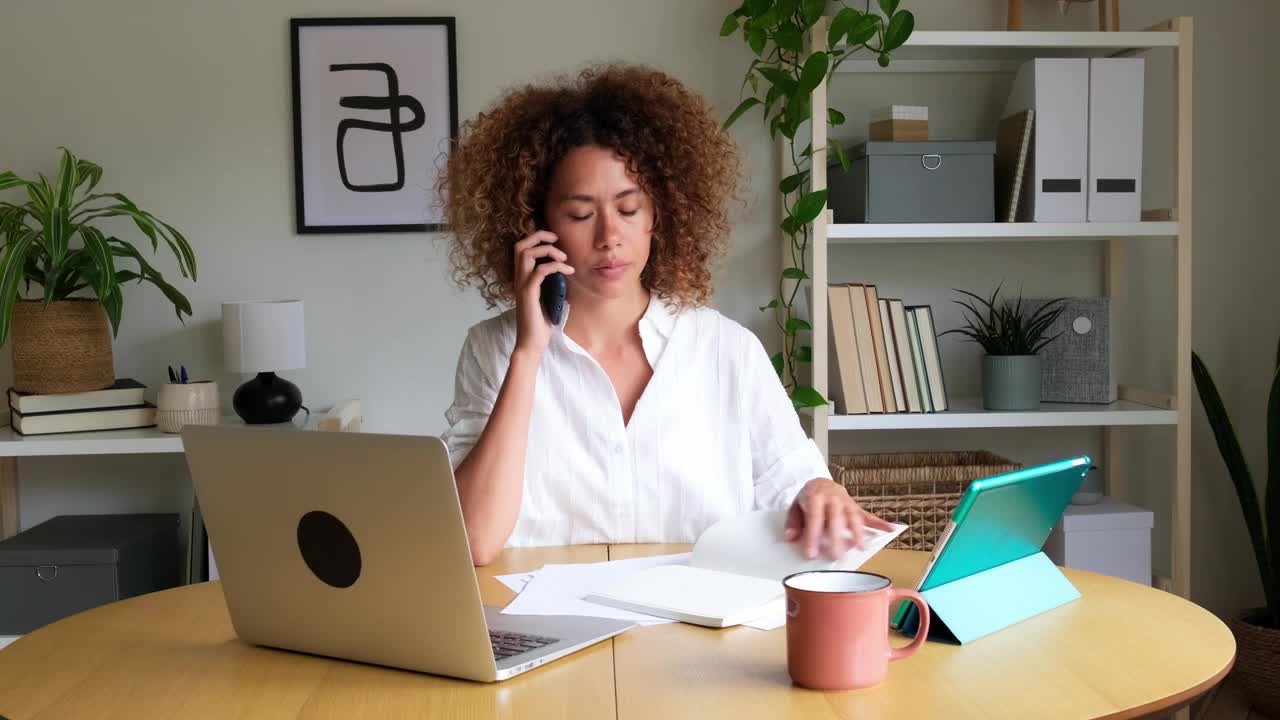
x=42 y=572
x=924 y=160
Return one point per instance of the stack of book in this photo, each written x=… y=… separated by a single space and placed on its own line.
x=118 y=407
x=886 y=354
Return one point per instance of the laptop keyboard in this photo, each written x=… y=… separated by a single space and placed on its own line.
x=508 y=644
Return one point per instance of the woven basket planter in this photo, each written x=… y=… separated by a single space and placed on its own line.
x=919 y=489
x=1257 y=661
x=63 y=348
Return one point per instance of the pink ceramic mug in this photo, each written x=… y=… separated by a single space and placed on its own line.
x=838 y=628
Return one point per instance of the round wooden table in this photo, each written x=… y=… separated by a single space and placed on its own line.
x=1122 y=650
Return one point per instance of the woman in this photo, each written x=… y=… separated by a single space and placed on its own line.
x=645 y=416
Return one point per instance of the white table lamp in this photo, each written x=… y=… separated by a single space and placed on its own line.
x=262 y=338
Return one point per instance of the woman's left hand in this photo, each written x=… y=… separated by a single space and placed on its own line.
x=823 y=513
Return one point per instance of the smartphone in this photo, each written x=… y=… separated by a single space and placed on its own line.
x=554 y=291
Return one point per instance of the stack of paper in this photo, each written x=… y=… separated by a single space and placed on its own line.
x=560 y=589
x=734 y=576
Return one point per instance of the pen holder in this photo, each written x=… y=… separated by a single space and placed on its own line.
x=194 y=403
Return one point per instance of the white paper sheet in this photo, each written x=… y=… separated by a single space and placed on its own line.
x=515 y=581
x=558 y=589
x=753 y=544
x=773 y=618
x=736 y=570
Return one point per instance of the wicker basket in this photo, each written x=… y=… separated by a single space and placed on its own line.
x=64 y=348
x=919 y=489
x=1257 y=661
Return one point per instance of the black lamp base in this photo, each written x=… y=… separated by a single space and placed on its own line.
x=266 y=399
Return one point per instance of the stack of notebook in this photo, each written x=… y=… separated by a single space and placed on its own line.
x=118 y=407
x=886 y=354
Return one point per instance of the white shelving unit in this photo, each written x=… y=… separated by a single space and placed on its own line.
x=1001 y=52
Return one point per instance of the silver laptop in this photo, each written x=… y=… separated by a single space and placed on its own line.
x=352 y=545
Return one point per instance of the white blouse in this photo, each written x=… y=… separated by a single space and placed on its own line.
x=713 y=435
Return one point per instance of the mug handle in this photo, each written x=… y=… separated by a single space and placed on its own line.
x=922 y=633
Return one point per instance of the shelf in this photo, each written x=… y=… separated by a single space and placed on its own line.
x=107 y=442
x=870 y=233
x=117 y=442
x=1002 y=51
x=968 y=413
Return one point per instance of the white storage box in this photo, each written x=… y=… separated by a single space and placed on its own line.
x=1111 y=538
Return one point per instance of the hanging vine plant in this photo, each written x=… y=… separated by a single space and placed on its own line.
x=787 y=74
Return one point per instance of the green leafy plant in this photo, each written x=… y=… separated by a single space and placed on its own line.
x=51 y=241
x=1008 y=327
x=782 y=78
x=1263 y=524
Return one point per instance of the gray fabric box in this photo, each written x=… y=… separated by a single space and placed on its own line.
x=915 y=182
x=72 y=563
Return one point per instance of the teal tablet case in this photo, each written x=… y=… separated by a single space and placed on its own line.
x=990 y=572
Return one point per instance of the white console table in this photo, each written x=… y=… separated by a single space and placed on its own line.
x=344 y=416
x=347 y=415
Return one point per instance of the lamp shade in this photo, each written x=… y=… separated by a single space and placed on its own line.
x=263 y=336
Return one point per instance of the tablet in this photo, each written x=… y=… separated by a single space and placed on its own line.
x=999 y=519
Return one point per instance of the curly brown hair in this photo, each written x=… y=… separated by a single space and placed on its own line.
x=495 y=182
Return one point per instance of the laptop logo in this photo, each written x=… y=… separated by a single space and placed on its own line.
x=329 y=549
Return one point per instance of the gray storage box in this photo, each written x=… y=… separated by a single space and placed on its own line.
x=915 y=182
x=72 y=563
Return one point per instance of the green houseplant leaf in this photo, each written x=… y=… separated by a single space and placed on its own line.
x=1259 y=526
x=805 y=396
x=52 y=241
x=1272 y=499
x=776 y=31
x=1007 y=327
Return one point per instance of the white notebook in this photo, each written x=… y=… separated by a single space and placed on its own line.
x=734 y=575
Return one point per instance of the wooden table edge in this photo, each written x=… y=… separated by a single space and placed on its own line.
x=1176 y=702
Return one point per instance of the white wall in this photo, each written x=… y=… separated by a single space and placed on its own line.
x=187 y=106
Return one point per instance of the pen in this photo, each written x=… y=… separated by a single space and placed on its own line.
x=172 y=378
x=183 y=376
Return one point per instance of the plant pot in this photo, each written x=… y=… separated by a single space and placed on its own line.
x=179 y=404
x=1257 y=660
x=1011 y=382
x=63 y=348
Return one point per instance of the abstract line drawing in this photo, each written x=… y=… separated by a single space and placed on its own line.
x=392 y=102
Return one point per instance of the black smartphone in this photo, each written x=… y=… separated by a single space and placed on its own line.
x=554 y=291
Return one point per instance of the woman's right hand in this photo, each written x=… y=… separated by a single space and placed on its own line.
x=533 y=330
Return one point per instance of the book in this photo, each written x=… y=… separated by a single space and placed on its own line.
x=906 y=368
x=866 y=348
x=917 y=361
x=119 y=418
x=734 y=574
x=881 y=354
x=845 y=375
x=932 y=359
x=891 y=356
x=1013 y=141
x=125 y=392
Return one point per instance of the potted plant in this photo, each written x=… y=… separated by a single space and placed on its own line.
x=61 y=336
x=1012 y=333
x=1257 y=631
x=784 y=72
